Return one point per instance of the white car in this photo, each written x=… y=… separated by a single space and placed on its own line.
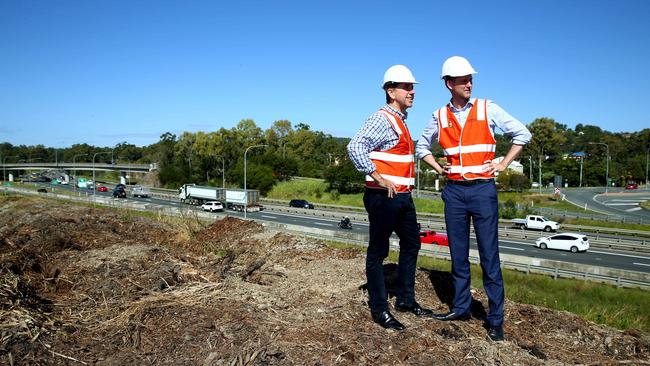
x=565 y=241
x=212 y=206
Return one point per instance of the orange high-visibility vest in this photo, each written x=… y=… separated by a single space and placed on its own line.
x=466 y=148
x=395 y=164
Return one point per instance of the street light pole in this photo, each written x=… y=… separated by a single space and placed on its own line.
x=223 y=173
x=94 y=182
x=606 y=163
x=582 y=158
x=540 y=169
x=245 y=191
x=417 y=174
x=223 y=170
x=646 y=167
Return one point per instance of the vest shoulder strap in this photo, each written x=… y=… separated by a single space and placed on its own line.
x=392 y=121
x=441 y=115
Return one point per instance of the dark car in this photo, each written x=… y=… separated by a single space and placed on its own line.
x=119 y=191
x=301 y=204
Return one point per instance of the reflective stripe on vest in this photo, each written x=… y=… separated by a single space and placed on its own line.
x=397 y=163
x=467 y=148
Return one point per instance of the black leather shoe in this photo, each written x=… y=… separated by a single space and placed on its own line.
x=414 y=309
x=495 y=334
x=386 y=320
x=451 y=316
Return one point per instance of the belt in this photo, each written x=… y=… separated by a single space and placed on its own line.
x=382 y=191
x=468 y=183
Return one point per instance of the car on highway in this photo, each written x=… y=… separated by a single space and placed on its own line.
x=632 y=186
x=102 y=188
x=301 y=204
x=119 y=191
x=432 y=237
x=212 y=206
x=139 y=191
x=572 y=242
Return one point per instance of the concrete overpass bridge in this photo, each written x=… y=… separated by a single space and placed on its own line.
x=123 y=167
x=7 y=168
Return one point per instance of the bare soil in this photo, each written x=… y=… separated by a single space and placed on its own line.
x=92 y=286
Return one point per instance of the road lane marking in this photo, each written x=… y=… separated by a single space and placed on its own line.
x=502 y=246
x=270 y=217
x=642 y=264
x=323 y=223
x=622 y=204
x=619 y=254
x=633 y=209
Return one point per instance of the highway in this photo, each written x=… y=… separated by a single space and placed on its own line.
x=525 y=248
x=618 y=201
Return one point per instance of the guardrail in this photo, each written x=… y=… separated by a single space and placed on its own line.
x=632 y=278
x=171 y=194
x=592 y=216
x=527 y=268
x=436 y=222
x=619 y=244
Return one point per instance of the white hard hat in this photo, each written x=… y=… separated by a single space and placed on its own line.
x=456 y=66
x=398 y=74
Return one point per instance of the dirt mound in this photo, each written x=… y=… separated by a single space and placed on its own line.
x=82 y=285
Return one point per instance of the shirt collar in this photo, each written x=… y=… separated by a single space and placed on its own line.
x=401 y=115
x=466 y=107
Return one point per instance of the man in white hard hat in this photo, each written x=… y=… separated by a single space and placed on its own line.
x=464 y=128
x=383 y=150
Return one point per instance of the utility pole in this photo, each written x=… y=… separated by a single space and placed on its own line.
x=245 y=191
x=582 y=158
x=646 y=167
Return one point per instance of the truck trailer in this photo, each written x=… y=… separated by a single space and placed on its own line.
x=197 y=195
x=238 y=199
x=232 y=198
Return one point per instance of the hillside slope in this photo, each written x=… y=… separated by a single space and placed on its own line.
x=81 y=285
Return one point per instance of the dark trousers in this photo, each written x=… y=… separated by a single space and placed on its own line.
x=478 y=202
x=385 y=216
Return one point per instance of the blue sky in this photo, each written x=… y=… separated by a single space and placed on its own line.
x=104 y=72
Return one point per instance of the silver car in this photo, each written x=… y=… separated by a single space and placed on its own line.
x=572 y=242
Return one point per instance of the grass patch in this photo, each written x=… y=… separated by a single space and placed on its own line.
x=621 y=308
x=645 y=205
x=607 y=224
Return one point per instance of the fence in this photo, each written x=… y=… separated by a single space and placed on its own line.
x=590 y=215
x=528 y=268
x=642 y=280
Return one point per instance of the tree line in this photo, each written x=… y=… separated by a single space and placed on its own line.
x=285 y=150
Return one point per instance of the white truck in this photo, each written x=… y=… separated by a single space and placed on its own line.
x=140 y=191
x=536 y=222
x=234 y=199
x=197 y=195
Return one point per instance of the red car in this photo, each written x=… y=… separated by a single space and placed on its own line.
x=102 y=189
x=432 y=237
x=632 y=186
